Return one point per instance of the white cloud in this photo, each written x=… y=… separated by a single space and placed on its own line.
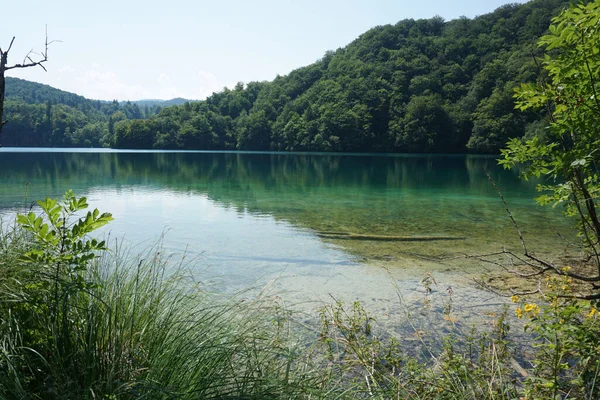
x=196 y=86
x=167 y=89
x=66 y=69
x=208 y=84
x=97 y=83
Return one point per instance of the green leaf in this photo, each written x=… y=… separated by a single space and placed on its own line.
x=22 y=220
x=577 y=163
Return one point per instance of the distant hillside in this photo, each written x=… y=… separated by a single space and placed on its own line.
x=162 y=103
x=40 y=115
x=35 y=93
x=424 y=85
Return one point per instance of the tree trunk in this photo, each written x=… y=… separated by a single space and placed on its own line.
x=3 y=61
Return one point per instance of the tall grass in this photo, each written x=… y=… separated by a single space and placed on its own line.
x=145 y=329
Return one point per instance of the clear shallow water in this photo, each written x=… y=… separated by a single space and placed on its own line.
x=251 y=218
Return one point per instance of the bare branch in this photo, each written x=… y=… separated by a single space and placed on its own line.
x=595 y=296
x=32 y=64
x=525 y=275
x=27 y=56
x=28 y=61
x=536 y=263
x=48 y=43
x=585 y=226
x=508 y=212
x=510 y=292
x=568 y=242
x=10 y=45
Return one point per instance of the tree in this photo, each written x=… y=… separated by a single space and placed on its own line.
x=569 y=156
x=425 y=126
x=28 y=61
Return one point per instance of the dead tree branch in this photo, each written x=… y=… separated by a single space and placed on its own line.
x=528 y=265
x=31 y=59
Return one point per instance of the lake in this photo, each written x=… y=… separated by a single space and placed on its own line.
x=308 y=225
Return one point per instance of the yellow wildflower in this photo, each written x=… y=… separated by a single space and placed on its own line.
x=532 y=308
x=592 y=312
x=514 y=298
x=519 y=313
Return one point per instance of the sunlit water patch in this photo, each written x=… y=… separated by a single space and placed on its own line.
x=232 y=246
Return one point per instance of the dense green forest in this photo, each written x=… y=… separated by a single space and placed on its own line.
x=40 y=115
x=417 y=86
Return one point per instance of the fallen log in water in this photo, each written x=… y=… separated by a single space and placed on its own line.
x=383 y=238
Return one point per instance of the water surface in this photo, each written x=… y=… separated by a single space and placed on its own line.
x=251 y=218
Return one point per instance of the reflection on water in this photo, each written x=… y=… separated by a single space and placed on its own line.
x=251 y=216
x=384 y=195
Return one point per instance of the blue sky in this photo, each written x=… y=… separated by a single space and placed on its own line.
x=130 y=50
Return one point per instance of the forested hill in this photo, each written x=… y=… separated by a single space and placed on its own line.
x=416 y=86
x=40 y=115
x=33 y=93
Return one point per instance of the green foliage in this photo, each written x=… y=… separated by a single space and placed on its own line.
x=566 y=329
x=142 y=328
x=60 y=244
x=79 y=322
x=563 y=361
x=43 y=116
x=418 y=86
x=568 y=154
x=567 y=362
x=53 y=277
x=385 y=367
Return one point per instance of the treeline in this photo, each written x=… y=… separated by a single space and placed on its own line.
x=416 y=86
x=40 y=116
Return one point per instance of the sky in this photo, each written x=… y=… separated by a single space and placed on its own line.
x=132 y=50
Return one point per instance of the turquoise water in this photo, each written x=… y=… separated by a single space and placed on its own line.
x=253 y=218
